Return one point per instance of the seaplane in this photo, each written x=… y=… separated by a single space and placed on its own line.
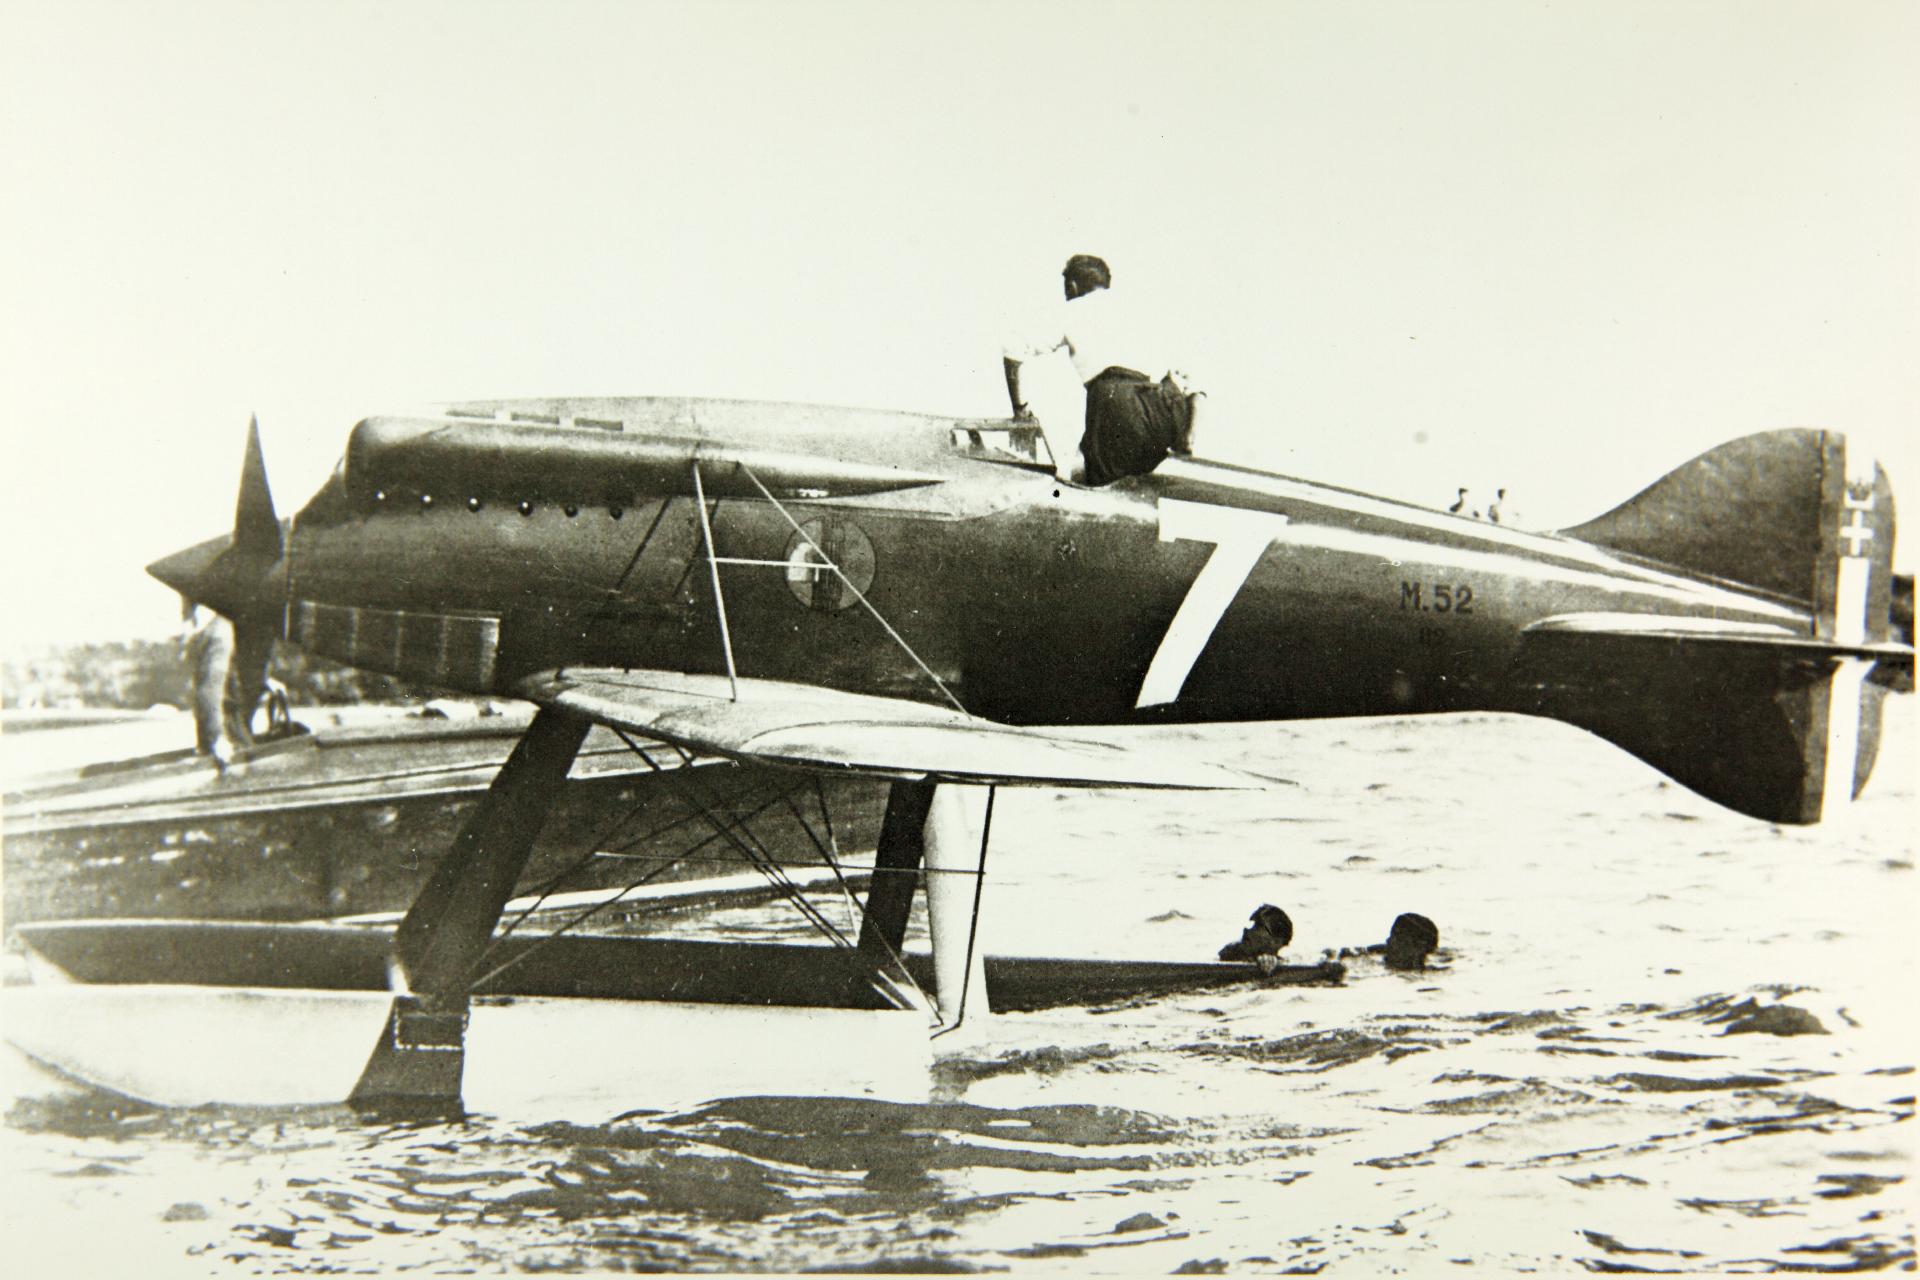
x=919 y=601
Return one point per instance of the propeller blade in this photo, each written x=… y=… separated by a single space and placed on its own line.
x=258 y=545
x=253 y=640
x=256 y=527
x=230 y=574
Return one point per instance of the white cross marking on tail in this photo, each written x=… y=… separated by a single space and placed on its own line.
x=1853 y=574
x=1856 y=533
x=1852 y=571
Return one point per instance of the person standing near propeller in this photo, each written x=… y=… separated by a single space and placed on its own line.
x=207 y=641
x=229 y=621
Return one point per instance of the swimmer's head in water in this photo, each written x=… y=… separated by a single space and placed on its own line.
x=1411 y=940
x=1268 y=933
x=1274 y=921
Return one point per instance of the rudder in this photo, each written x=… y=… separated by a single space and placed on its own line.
x=1852 y=605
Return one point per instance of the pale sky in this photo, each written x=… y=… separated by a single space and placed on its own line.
x=1557 y=247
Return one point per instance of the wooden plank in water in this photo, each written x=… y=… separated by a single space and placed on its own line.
x=610 y=967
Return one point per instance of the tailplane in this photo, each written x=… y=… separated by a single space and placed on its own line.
x=1783 y=727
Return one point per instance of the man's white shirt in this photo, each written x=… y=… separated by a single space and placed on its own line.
x=1098 y=331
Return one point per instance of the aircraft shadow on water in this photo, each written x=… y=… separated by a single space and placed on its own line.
x=801 y=600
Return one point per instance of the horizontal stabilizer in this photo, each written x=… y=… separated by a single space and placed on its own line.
x=1779 y=726
x=802 y=726
x=1759 y=637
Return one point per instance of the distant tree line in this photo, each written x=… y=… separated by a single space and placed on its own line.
x=137 y=674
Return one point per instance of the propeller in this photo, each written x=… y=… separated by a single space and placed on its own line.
x=233 y=576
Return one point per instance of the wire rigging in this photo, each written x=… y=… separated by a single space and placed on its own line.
x=738 y=834
x=761 y=860
x=848 y=583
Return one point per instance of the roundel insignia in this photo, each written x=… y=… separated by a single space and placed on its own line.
x=821 y=544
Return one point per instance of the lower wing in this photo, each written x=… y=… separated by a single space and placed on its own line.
x=802 y=726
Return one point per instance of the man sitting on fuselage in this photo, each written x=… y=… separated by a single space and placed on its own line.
x=1132 y=421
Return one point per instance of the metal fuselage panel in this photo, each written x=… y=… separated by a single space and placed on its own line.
x=1198 y=592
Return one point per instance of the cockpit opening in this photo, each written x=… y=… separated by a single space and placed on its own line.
x=1019 y=444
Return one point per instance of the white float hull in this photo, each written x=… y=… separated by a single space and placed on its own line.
x=185 y=1046
x=187 y=1013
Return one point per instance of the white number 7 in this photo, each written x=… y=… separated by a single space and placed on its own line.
x=1240 y=538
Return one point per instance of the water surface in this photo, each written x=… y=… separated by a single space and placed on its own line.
x=1592 y=1080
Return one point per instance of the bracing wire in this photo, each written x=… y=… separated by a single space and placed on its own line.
x=826 y=856
x=594 y=844
x=762 y=862
x=777 y=875
x=761 y=801
x=973 y=925
x=545 y=940
x=713 y=572
x=576 y=921
x=739 y=835
x=612 y=593
x=833 y=847
x=848 y=583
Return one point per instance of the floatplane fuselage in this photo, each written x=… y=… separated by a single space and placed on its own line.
x=920 y=599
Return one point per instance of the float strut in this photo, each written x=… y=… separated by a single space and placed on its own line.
x=418 y=1062
x=956 y=842
x=896 y=871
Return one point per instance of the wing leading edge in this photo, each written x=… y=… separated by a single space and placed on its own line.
x=772 y=722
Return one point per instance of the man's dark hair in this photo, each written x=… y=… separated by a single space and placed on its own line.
x=1411 y=940
x=1087 y=272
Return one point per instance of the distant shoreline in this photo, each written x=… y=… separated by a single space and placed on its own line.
x=30 y=719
